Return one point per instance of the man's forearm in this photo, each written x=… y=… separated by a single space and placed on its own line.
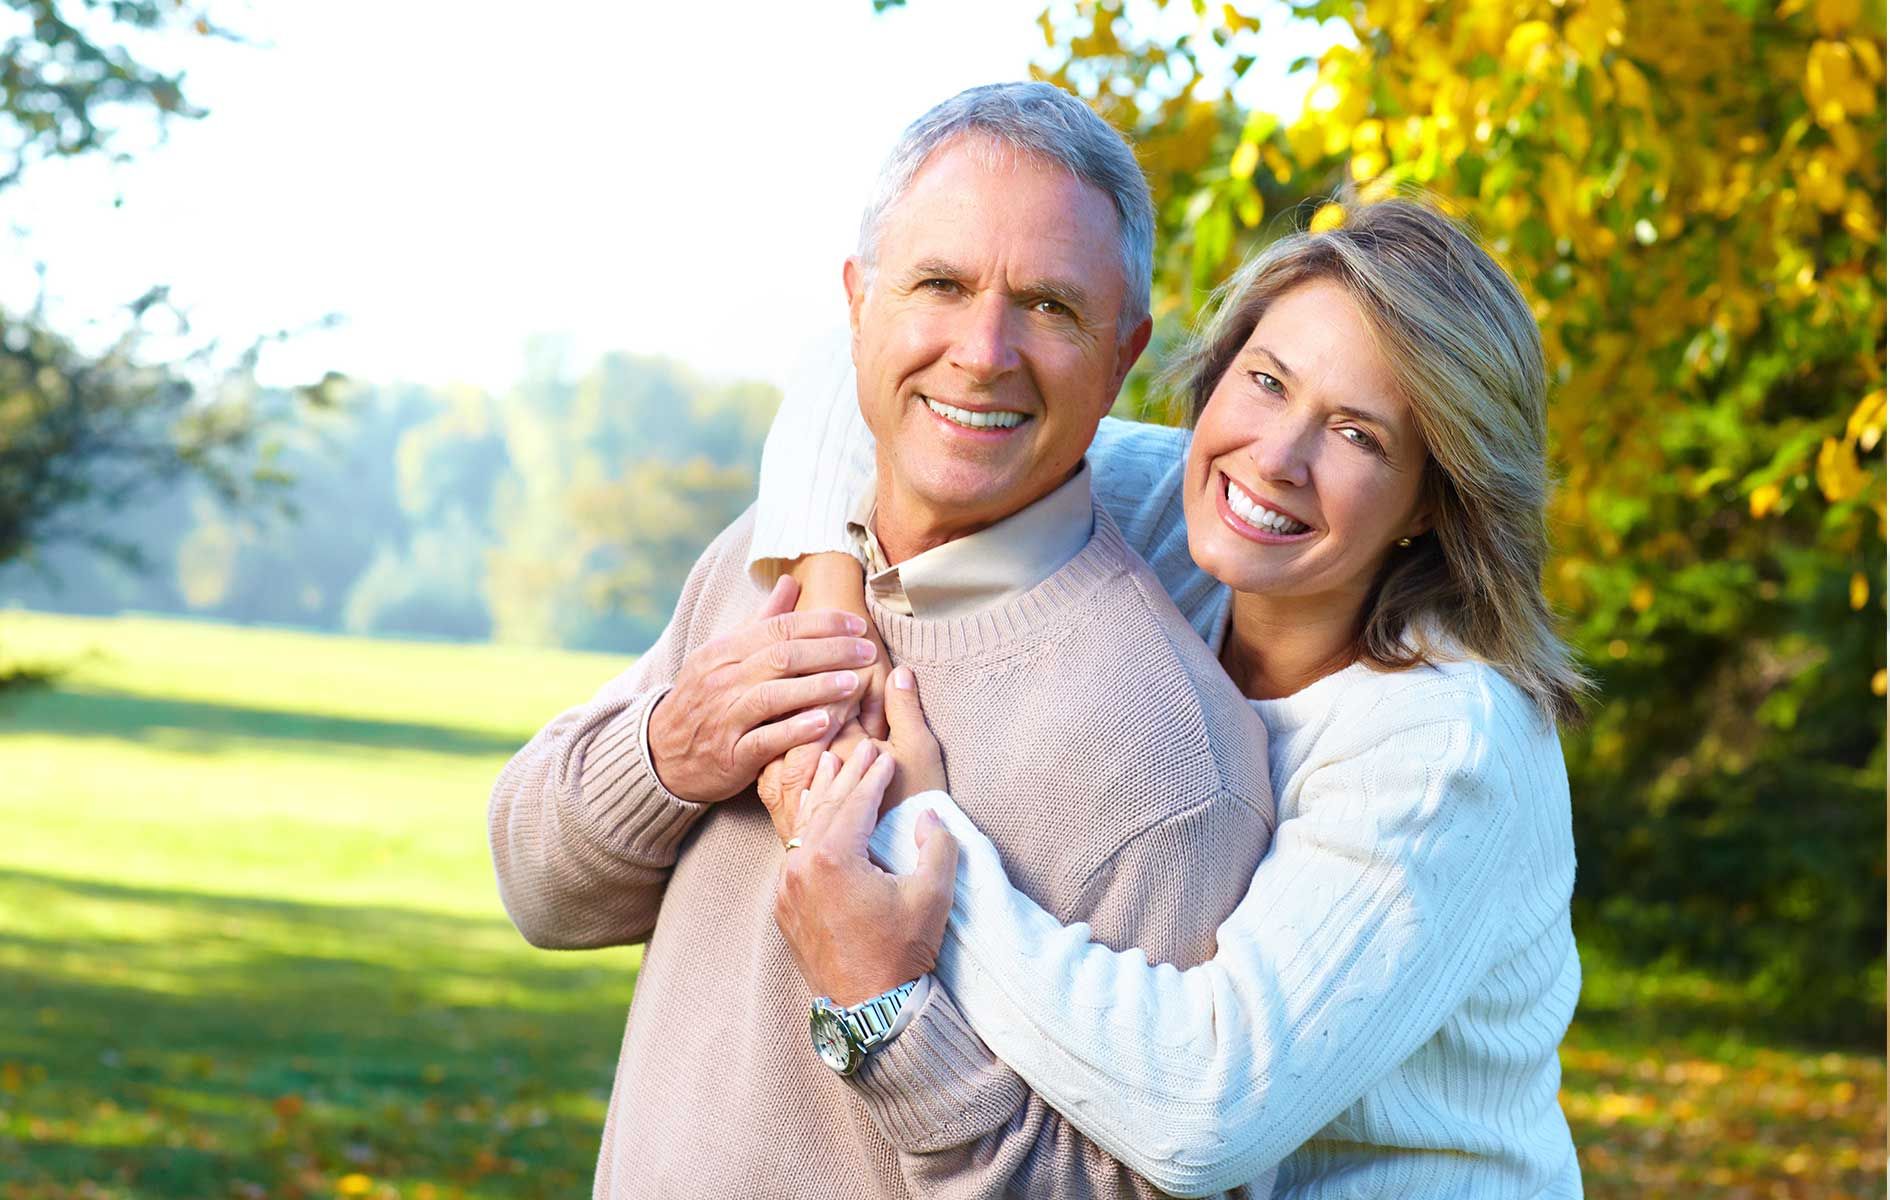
x=966 y=1125
x=582 y=831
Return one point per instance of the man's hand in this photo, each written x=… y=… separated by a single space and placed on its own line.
x=723 y=721
x=836 y=581
x=855 y=930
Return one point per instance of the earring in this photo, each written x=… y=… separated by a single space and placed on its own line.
x=1403 y=542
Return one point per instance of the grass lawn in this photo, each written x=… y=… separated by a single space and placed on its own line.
x=250 y=947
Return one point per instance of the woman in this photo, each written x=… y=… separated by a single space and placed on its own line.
x=1366 y=480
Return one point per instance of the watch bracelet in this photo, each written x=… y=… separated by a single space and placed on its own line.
x=870 y=1019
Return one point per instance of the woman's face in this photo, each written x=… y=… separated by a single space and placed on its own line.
x=1306 y=465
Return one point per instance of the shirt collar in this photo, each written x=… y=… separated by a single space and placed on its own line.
x=998 y=563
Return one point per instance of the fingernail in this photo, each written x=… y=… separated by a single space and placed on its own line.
x=815 y=720
x=866 y=652
x=856 y=624
x=845 y=681
x=829 y=759
x=902 y=678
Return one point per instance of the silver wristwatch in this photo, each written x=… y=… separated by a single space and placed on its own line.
x=843 y=1037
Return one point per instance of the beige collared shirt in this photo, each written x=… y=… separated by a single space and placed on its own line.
x=992 y=566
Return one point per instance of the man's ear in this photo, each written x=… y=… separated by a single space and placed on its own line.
x=853 y=277
x=1128 y=350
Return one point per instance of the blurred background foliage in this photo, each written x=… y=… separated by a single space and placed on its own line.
x=563 y=512
x=1691 y=193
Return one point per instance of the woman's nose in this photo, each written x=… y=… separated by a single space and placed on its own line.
x=1282 y=453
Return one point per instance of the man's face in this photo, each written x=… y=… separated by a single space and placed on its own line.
x=986 y=341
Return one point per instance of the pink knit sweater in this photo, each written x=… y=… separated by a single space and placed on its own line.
x=1088 y=733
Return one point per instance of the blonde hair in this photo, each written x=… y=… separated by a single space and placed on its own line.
x=1458 y=336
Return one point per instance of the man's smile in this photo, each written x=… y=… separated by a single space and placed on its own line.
x=988 y=421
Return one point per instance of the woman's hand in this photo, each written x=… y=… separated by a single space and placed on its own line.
x=835 y=581
x=919 y=766
x=856 y=931
x=730 y=712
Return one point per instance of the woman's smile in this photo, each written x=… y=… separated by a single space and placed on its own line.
x=1254 y=518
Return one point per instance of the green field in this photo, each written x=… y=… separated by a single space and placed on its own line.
x=250 y=947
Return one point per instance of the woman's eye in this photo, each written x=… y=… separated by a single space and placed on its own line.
x=1361 y=439
x=1269 y=383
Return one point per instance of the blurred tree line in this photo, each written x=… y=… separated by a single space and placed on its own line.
x=1691 y=193
x=564 y=511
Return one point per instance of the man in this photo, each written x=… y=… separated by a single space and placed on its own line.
x=997 y=302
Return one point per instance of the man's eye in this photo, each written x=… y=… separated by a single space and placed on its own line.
x=1269 y=383
x=942 y=286
x=1053 y=308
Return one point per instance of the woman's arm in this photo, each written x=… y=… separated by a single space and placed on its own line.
x=818 y=461
x=1380 y=906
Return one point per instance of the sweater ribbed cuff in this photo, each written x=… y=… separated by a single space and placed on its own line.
x=937 y=1085
x=625 y=803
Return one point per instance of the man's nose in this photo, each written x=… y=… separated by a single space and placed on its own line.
x=985 y=346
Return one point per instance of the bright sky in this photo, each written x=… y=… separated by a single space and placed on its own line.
x=678 y=178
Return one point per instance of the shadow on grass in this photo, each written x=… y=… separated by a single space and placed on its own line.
x=169 y=1043
x=18 y=677
x=208 y=728
x=1627 y=1000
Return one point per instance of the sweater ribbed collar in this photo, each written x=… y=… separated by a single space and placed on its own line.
x=1005 y=627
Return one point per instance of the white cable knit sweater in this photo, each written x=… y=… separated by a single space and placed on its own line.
x=1382 y=1015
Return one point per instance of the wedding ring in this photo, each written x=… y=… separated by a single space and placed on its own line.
x=792 y=843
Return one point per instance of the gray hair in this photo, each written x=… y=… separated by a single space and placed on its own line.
x=1039 y=119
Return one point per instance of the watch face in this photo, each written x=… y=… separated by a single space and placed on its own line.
x=831 y=1040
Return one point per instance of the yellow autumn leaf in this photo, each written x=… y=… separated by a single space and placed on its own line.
x=1868 y=55
x=1866 y=424
x=1307 y=140
x=1860 y=590
x=1596 y=27
x=1276 y=163
x=1877 y=683
x=1250 y=207
x=1525 y=42
x=1327 y=218
x=1834 y=17
x=1765 y=498
x=1840 y=477
x=1831 y=82
x=1643 y=596
x=1246 y=158
x=355 y=1184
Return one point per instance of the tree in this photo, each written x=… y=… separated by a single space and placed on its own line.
x=82 y=436
x=1691 y=193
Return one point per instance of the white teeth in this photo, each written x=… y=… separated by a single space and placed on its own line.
x=974 y=420
x=1259 y=515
